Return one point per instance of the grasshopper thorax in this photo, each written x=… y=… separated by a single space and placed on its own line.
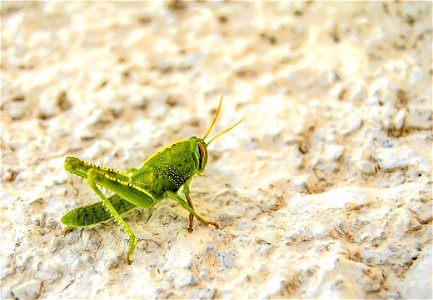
x=198 y=149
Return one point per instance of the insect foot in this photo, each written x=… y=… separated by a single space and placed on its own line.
x=214 y=224
x=190 y=229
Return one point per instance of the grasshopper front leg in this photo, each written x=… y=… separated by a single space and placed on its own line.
x=186 y=192
x=185 y=205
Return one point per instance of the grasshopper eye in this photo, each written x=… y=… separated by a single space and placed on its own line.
x=201 y=152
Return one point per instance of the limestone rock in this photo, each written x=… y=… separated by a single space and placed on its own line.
x=323 y=191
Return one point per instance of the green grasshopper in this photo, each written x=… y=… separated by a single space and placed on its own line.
x=161 y=176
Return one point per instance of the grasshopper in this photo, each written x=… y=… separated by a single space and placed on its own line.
x=161 y=176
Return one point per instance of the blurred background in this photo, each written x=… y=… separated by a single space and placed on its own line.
x=324 y=190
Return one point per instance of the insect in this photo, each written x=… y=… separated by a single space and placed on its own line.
x=160 y=176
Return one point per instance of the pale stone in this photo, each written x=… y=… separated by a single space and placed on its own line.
x=333 y=152
x=27 y=290
x=399 y=119
x=204 y=293
x=183 y=277
x=336 y=198
x=419 y=118
x=366 y=167
x=418 y=281
x=398 y=157
x=323 y=191
x=228 y=258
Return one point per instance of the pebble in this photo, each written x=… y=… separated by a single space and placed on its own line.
x=96 y=150
x=403 y=222
x=296 y=158
x=211 y=246
x=183 y=277
x=48 y=104
x=269 y=236
x=397 y=157
x=316 y=230
x=300 y=183
x=27 y=290
x=22 y=261
x=46 y=270
x=333 y=152
x=228 y=258
x=399 y=119
x=204 y=293
x=54 y=244
x=333 y=284
x=397 y=177
x=73 y=236
x=6 y=268
x=145 y=95
x=344 y=197
x=352 y=122
x=180 y=256
x=264 y=249
x=17 y=111
x=112 y=257
x=366 y=167
x=204 y=274
x=419 y=118
x=290 y=237
x=417 y=283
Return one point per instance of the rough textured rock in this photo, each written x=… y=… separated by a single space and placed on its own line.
x=324 y=191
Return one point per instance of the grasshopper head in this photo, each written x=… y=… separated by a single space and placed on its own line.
x=199 y=145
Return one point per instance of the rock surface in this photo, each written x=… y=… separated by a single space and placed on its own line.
x=324 y=191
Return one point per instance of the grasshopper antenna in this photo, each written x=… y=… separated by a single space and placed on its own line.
x=214 y=118
x=225 y=131
x=213 y=123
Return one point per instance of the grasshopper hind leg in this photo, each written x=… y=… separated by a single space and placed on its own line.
x=95 y=213
x=91 y=177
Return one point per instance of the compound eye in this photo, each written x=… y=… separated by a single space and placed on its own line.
x=200 y=151
x=201 y=154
